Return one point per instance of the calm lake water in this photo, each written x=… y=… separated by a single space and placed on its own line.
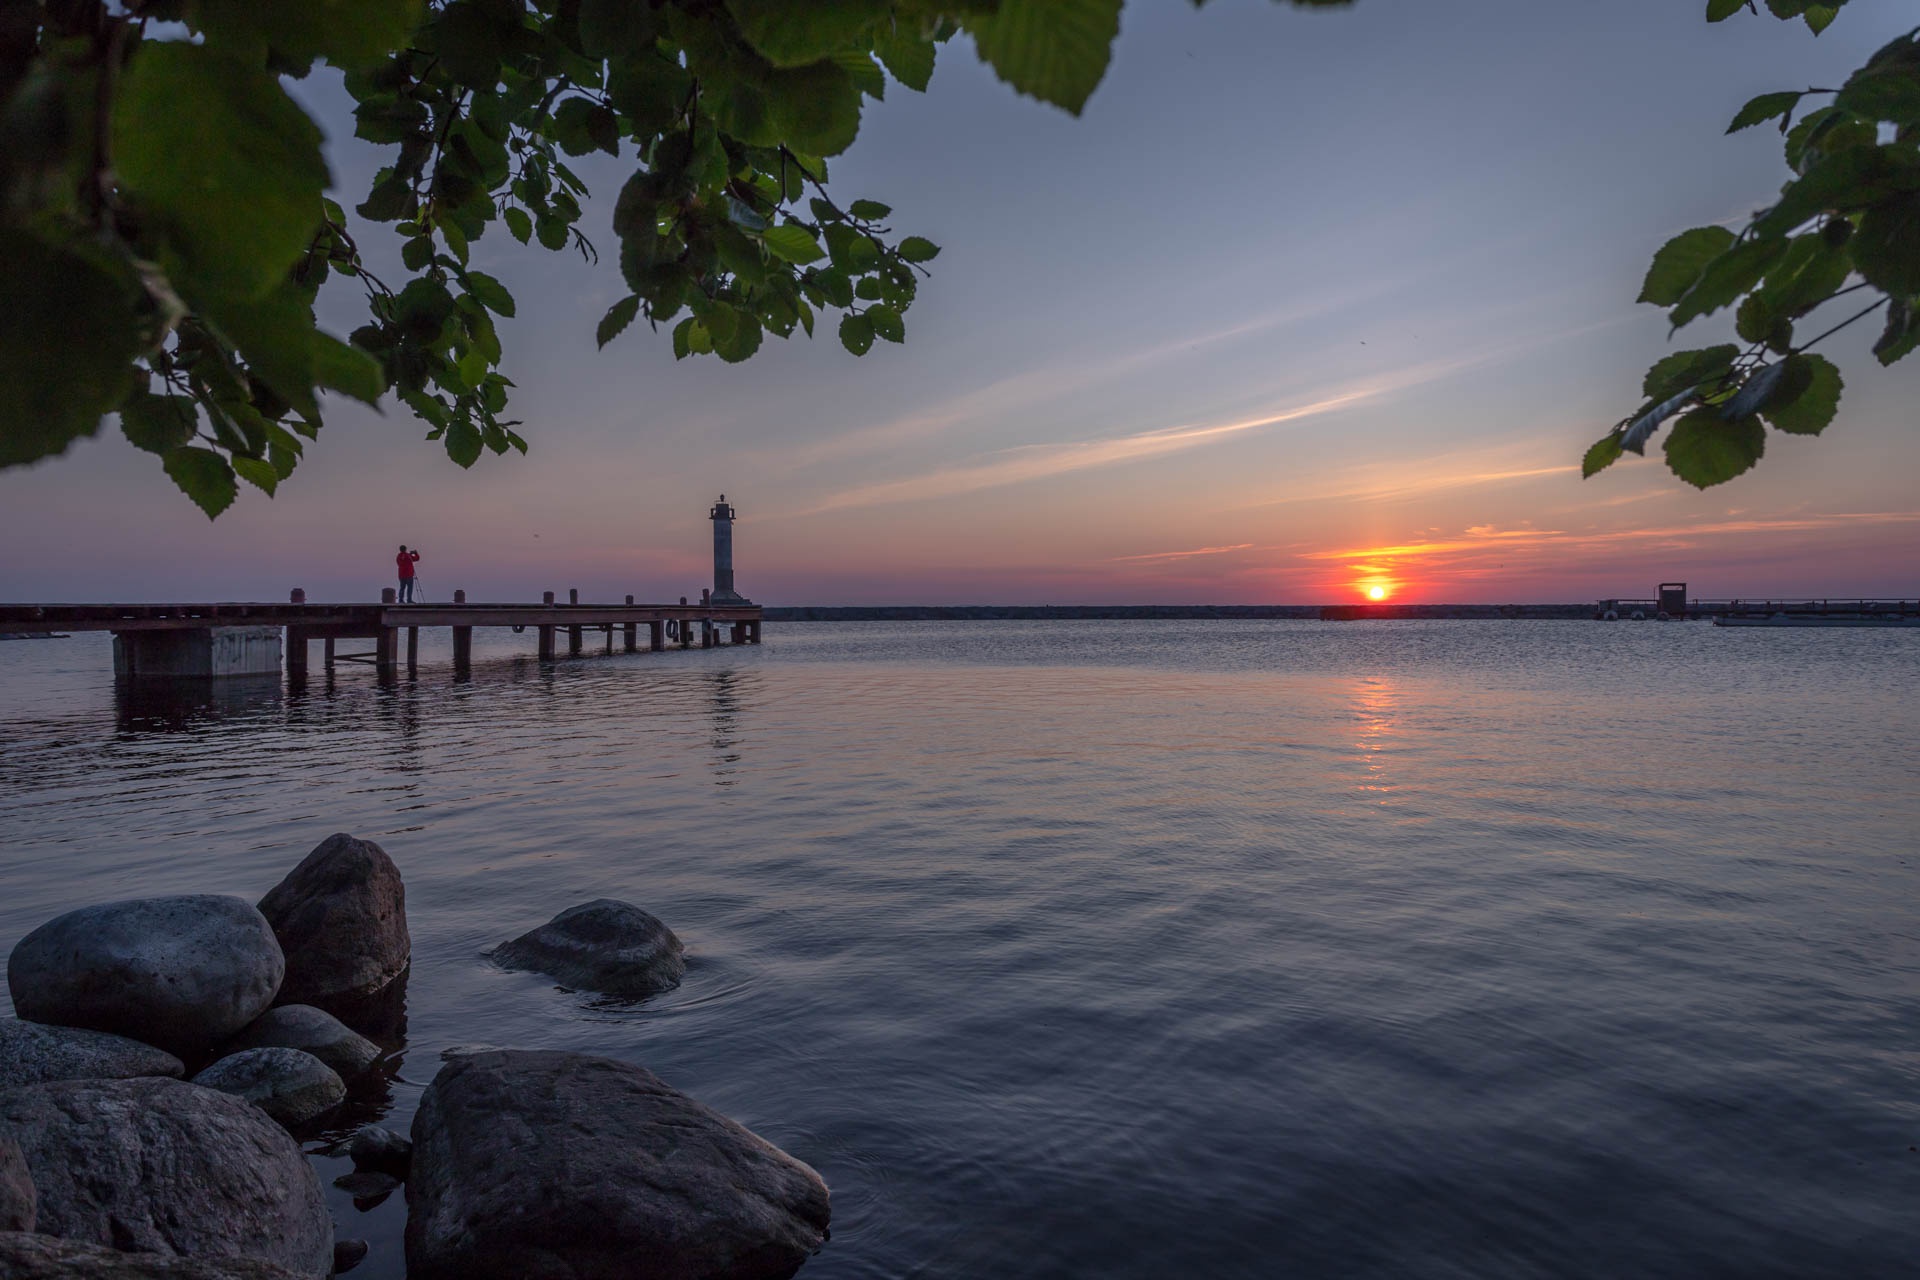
x=1210 y=949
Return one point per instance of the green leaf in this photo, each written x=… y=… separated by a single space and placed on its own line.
x=1768 y=106
x=919 y=249
x=1680 y=262
x=618 y=317
x=1886 y=248
x=1605 y=452
x=886 y=323
x=907 y=58
x=1726 y=278
x=68 y=334
x=617 y=29
x=792 y=243
x=1844 y=180
x=464 y=442
x=519 y=224
x=158 y=423
x=223 y=158
x=739 y=340
x=790 y=35
x=1721 y=10
x=815 y=109
x=1810 y=411
x=1901 y=335
x=1684 y=370
x=1888 y=87
x=258 y=472
x=204 y=476
x=471 y=38
x=347 y=369
x=869 y=210
x=490 y=292
x=1704 y=451
x=347 y=33
x=856 y=333
x=276 y=336
x=1053 y=50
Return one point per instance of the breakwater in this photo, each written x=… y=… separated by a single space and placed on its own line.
x=1166 y=612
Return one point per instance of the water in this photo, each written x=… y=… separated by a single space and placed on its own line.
x=1135 y=949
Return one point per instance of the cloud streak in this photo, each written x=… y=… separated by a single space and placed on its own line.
x=1181 y=555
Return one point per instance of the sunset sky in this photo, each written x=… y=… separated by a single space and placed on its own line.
x=1305 y=302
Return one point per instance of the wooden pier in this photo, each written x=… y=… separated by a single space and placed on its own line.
x=227 y=640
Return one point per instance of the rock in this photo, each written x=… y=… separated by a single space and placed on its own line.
x=291 y=1086
x=34 y=1053
x=381 y=1150
x=314 y=1031
x=368 y=1187
x=611 y=947
x=348 y=1254
x=17 y=1198
x=570 y=1167
x=32 y=1257
x=158 y=1166
x=341 y=917
x=183 y=973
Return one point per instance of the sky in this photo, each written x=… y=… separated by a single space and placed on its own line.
x=1304 y=303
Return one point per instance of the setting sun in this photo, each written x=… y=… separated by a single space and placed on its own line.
x=1376 y=593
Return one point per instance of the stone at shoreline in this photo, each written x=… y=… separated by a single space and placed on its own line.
x=570 y=1167
x=159 y=1166
x=348 y=1254
x=341 y=917
x=368 y=1187
x=381 y=1150
x=35 y=1053
x=35 y=1257
x=311 y=1030
x=291 y=1086
x=180 y=972
x=605 y=945
x=17 y=1197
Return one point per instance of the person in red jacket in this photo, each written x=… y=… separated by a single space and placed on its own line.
x=406 y=560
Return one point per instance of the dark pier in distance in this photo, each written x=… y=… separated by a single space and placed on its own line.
x=226 y=640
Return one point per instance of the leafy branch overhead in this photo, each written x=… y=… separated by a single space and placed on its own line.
x=166 y=221
x=1841 y=245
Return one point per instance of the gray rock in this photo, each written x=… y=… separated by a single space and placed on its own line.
x=183 y=973
x=348 y=1254
x=291 y=1086
x=311 y=1030
x=571 y=1167
x=607 y=946
x=17 y=1198
x=382 y=1150
x=34 y=1053
x=341 y=917
x=368 y=1187
x=158 y=1166
x=33 y=1257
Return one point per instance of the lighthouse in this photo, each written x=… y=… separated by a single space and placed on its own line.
x=722 y=517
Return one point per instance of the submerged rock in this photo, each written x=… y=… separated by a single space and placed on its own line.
x=157 y=1166
x=311 y=1030
x=381 y=1150
x=35 y=1053
x=341 y=917
x=607 y=946
x=36 y=1257
x=348 y=1254
x=291 y=1086
x=17 y=1197
x=572 y=1167
x=181 y=972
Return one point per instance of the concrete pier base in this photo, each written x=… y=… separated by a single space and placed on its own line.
x=462 y=648
x=204 y=653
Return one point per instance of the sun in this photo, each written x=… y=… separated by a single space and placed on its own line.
x=1376 y=593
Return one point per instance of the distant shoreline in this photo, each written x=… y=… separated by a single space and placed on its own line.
x=1169 y=612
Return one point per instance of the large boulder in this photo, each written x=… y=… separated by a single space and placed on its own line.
x=18 y=1202
x=158 y=1166
x=570 y=1167
x=34 y=1053
x=341 y=917
x=311 y=1030
x=183 y=972
x=291 y=1086
x=35 y=1257
x=607 y=946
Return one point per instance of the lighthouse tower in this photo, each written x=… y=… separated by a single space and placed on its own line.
x=722 y=517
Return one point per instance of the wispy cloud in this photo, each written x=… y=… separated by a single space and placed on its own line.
x=1183 y=555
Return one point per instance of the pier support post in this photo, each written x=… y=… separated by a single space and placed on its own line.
x=296 y=655
x=326 y=654
x=609 y=637
x=384 y=645
x=708 y=635
x=573 y=641
x=755 y=636
x=686 y=633
x=413 y=650
x=633 y=633
x=546 y=644
x=656 y=636
x=462 y=648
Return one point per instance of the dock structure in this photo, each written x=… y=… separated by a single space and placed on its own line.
x=223 y=640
